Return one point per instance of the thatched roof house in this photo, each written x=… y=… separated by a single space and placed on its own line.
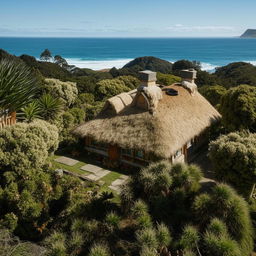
x=155 y=121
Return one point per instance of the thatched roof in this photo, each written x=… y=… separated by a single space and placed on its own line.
x=120 y=101
x=176 y=120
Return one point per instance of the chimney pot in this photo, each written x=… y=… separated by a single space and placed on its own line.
x=188 y=75
x=147 y=78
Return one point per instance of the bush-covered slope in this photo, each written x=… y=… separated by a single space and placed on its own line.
x=237 y=73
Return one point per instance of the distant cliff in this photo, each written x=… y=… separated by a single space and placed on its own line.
x=249 y=33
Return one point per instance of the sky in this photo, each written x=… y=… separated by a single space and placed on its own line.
x=131 y=18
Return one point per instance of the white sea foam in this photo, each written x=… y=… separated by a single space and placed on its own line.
x=208 y=67
x=98 y=64
x=118 y=63
x=253 y=62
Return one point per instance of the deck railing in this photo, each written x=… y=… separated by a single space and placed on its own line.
x=7 y=119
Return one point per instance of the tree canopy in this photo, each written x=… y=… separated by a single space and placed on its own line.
x=46 y=55
x=237 y=73
x=233 y=158
x=213 y=93
x=238 y=108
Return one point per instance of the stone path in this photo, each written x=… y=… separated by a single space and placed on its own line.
x=116 y=184
x=96 y=172
x=66 y=160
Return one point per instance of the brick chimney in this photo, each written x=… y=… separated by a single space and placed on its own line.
x=188 y=75
x=147 y=78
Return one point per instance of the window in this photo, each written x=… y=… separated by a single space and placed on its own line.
x=99 y=145
x=127 y=152
x=178 y=153
x=139 y=154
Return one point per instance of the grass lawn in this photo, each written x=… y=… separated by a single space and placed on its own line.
x=108 y=179
x=74 y=169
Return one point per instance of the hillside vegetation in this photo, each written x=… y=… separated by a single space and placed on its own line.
x=164 y=209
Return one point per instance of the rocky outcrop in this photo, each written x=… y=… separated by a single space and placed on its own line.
x=249 y=33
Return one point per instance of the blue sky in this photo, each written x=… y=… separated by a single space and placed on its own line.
x=131 y=18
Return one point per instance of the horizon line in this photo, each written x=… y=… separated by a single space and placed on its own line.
x=115 y=37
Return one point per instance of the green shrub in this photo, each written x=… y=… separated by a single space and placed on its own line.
x=65 y=91
x=237 y=73
x=233 y=158
x=147 y=251
x=213 y=93
x=110 y=87
x=26 y=146
x=217 y=228
x=18 y=85
x=84 y=98
x=50 y=107
x=78 y=114
x=147 y=238
x=238 y=108
x=227 y=206
x=99 y=250
x=113 y=219
x=139 y=208
x=56 y=244
x=130 y=81
x=190 y=238
x=163 y=236
x=76 y=241
x=219 y=246
x=167 y=79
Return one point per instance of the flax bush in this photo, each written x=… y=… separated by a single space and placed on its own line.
x=99 y=250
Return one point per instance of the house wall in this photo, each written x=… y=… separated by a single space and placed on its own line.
x=113 y=153
x=7 y=119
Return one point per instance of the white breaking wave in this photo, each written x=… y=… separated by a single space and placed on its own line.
x=253 y=62
x=98 y=64
x=119 y=63
x=208 y=67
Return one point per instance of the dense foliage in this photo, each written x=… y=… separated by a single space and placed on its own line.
x=31 y=194
x=167 y=79
x=213 y=93
x=143 y=63
x=18 y=86
x=46 y=55
x=237 y=73
x=163 y=209
x=199 y=221
x=185 y=64
x=238 y=108
x=25 y=146
x=66 y=91
x=233 y=157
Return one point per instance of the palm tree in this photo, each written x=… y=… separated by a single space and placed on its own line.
x=18 y=86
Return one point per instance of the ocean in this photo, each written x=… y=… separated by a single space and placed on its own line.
x=102 y=53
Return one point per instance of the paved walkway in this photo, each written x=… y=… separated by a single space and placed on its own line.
x=116 y=185
x=92 y=173
x=96 y=172
x=66 y=160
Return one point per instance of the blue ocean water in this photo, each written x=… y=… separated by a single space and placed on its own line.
x=99 y=53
